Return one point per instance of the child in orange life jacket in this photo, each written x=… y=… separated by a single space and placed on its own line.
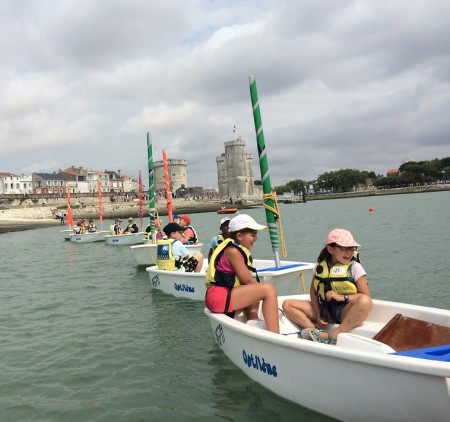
x=229 y=281
x=339 y=292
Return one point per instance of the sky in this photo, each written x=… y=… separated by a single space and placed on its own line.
x=341 y=84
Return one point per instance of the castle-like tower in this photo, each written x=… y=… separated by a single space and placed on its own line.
x=235 y=170
x=177 y=174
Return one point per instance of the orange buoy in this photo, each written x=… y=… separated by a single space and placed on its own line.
x=371 y=209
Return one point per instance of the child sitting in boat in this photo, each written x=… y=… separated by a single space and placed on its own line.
x=115 y=228
x=224 y=234
x=80 y=228
x=339 y=292
x=190 y=234
x=91 y=226
x=229 y=282
x=131 y=227
x=159 y=233
x=172 y=255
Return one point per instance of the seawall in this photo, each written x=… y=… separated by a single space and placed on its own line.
x=26 y=216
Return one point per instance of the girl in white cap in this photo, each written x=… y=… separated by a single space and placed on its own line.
x=339 y=292
x=229 y=280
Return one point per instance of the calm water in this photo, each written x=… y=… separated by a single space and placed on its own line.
x=84 y=338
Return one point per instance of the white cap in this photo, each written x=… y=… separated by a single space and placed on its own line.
x=224 y=220
x=244 y=221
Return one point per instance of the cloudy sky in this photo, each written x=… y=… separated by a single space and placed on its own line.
x=341 y=84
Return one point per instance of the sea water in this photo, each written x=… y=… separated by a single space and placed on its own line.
x=84 y=338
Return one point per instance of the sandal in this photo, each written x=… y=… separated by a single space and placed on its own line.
x=314 y=335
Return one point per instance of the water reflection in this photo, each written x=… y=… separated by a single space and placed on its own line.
x=236 y=394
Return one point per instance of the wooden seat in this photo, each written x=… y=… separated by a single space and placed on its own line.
x=405 y=333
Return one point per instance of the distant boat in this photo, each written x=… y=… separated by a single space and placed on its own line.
x=124 y=239
x=224 y=210
x=89 y=237
x=97 y=236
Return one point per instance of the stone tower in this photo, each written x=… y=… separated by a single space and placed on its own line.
x=177 y=174
x=235 y=170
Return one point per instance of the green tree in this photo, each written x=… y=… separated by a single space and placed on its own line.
x=280 y=190
x=342 y=180
x=328 y=181
x=296 y=186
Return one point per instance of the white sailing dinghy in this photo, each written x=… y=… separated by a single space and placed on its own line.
x=358 y=379
x=97 y=236
x=287 y=279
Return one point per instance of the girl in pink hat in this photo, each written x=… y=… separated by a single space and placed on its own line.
x=339 y=292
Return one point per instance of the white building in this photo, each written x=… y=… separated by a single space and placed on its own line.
x=11 y=184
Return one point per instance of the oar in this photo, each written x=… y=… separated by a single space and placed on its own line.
x=269 y=204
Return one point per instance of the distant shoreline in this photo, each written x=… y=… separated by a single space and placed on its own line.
x=26 y=218
x=380 y=192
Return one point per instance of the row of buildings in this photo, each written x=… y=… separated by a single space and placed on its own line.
x=234 y=173
x=77 y=179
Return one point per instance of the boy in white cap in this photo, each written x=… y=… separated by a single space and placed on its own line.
x=218 y=239
x=229 y=280
x=339 y=292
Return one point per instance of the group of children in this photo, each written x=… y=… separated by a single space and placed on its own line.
x=339 y=292
x=131 y=227
x=81 y=227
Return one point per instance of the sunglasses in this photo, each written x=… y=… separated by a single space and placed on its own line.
x=346 y=248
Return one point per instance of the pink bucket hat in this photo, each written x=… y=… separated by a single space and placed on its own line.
x=341 y=237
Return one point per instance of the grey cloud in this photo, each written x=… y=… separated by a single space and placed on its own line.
x=347 y=84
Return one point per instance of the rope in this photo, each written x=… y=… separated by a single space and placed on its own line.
x=302 y=279
x=276 y=213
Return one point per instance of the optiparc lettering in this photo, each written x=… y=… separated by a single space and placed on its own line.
x=259 y=363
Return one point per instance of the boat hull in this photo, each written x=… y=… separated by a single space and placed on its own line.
x=66 y=234
x=124 y=239
x=357 y=381
x=192 y=285
x=145 y=255
x=89 y=237
x=227 y=211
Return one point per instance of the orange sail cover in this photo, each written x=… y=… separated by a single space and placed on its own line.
x=69 y=210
